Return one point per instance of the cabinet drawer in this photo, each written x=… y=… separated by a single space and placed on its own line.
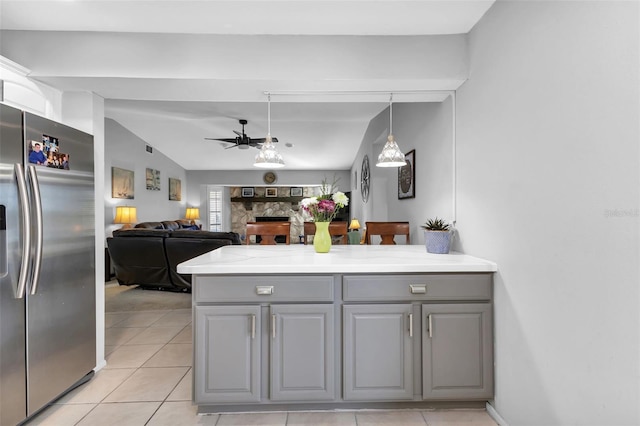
x=437 y=287
x=259 y=288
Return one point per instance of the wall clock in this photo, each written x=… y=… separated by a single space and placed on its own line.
x=269 y=178
x=365 y=179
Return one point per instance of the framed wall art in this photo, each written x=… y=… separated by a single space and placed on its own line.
x=406 y=177
x=271 y=192
x=175 y=189
x=122 y=183
x=296 y=191
x=248 y=192
x=153 y=179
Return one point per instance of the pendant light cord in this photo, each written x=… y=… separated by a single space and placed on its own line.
x=391 y=113
x=269 y=114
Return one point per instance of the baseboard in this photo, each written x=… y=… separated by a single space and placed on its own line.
x=100 y=365
x=491 y=411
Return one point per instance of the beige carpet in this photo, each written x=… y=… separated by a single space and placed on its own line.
x=119 y=298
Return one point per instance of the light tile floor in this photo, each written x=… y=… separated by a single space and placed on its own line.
x=147 y=381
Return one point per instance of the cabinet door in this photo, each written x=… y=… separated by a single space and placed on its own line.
x=457 y=351
x=378 y=357
x=302 y=352
x=227 y=354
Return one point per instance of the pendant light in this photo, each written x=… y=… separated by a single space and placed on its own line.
x=391 y=156
x=269 y=157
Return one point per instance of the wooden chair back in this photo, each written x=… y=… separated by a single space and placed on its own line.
x=387 y=230
x=336 y=229
x=268 y=231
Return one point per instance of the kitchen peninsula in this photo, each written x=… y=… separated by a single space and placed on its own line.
x=284 y=328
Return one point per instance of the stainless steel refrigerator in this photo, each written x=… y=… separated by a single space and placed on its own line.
x=47 y=262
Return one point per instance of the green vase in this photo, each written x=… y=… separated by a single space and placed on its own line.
x=322 y=238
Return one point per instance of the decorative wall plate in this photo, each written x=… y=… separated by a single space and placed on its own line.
x=365 y=179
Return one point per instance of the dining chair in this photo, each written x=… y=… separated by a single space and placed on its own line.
x=337 y=229
x=386 y=231
x=268 y=231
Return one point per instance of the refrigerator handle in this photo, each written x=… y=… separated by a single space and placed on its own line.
x=25 y=231
x=38 y=237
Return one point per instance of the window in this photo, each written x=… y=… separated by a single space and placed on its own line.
x=215 y=209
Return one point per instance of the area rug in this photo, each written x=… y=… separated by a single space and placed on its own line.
x=120 y=298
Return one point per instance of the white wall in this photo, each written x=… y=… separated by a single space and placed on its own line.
x=427 y=129
x=377 y=131
x=85 y=111
x=548 y=178
x=127 y=151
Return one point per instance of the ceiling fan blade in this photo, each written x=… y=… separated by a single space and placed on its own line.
x=229 y=140
x=237 y=133
x=232 y=146
x=262 y=140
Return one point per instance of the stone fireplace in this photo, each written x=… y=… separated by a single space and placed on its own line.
x=282 y=205
x=275 y=203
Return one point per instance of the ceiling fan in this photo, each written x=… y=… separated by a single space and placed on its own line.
x=243 y=141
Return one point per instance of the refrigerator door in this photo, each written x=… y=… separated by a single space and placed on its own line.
x=61 y=304
x=12 y=310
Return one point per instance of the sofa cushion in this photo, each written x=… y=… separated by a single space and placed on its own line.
x=206 y=235
x=150 y=225
x=141 y=232
x=170 y=224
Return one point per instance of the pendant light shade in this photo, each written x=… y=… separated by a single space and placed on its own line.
x=269 y=157
x=391 y=156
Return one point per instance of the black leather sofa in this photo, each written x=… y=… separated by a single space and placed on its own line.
x=149 y=257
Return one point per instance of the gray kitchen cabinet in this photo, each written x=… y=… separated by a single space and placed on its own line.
x=331 y=341
x=457 y=351
x=227 y=354
x=378 y=358
x=302 y=353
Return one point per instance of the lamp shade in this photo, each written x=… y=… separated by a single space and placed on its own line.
x=354 y=224
x=391 y=156
x=192 y=213
x=125 y=215
x=269 y=157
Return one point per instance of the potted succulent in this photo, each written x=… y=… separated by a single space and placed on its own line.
x=437 y=236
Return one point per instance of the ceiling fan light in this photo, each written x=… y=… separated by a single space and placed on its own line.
x=391 y=156
x=269 y=157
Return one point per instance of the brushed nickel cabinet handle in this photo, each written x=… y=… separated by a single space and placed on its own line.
x=273 y=325
x=430 y=326
x=410 y=325
x=264 y=290
x=418 y=288
x=253 y=326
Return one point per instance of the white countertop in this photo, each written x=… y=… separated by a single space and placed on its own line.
x=299 y=258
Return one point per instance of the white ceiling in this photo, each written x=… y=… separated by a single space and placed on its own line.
x=175 y=72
